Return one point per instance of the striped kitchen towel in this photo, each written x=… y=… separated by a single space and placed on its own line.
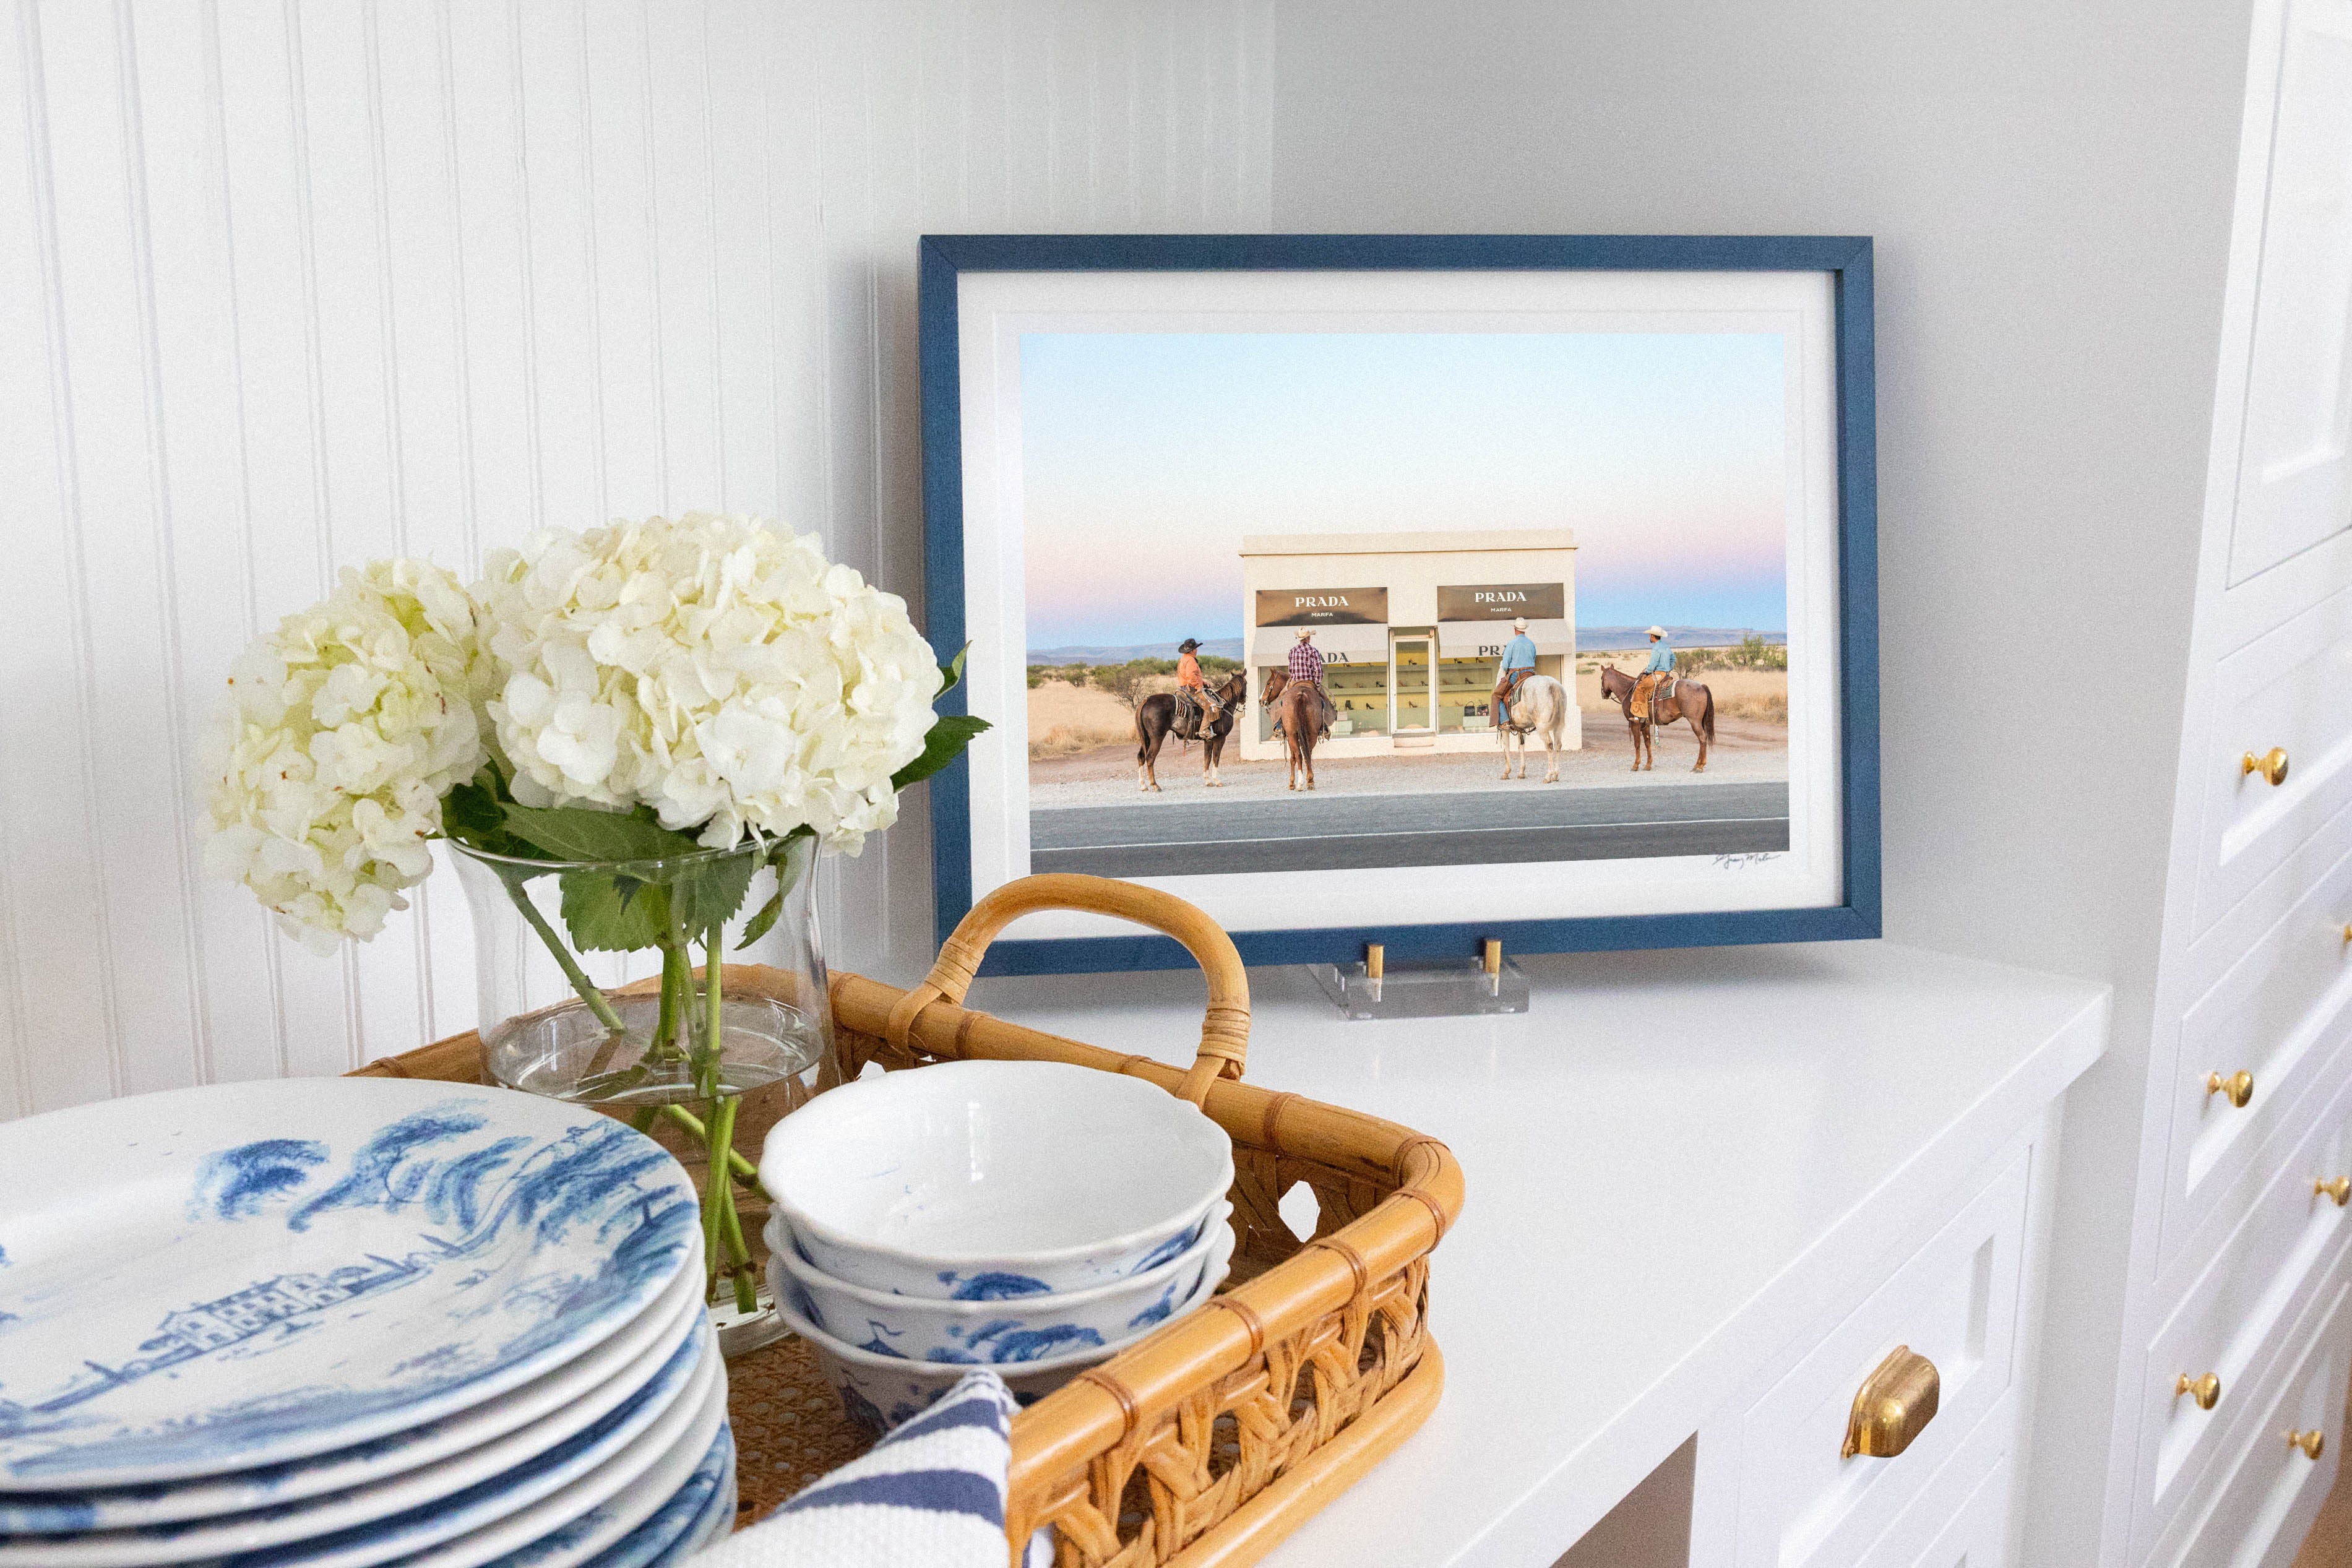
x=929 y=1495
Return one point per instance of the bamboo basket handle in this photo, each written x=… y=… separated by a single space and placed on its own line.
x=1224 y=1032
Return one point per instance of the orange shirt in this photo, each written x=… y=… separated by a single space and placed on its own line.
x=1188 y=670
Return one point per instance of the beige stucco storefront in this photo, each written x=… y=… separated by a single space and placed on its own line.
x=1411 y=626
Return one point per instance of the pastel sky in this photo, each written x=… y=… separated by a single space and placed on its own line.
x=1146 y=456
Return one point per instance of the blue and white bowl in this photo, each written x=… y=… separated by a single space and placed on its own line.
x=1004 y=1323
x=880 y=1392
x=1040 y=1176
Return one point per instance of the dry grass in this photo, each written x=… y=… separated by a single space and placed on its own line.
x=1065 y=719
x=1758 y=694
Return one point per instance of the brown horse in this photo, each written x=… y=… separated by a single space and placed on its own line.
x=1155 y=720
x=1672 y=701
x=1300 y=710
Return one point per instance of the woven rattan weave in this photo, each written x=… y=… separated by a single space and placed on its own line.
x=1209 y=1440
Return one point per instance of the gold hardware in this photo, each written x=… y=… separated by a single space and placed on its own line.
x=2340 y=1189
x=2313 y=1443
x=2348 y=934
x=2206 y=1390
x=1376 y=958
x=1494 y=955
x=1892 y=1407
x=2239 y=1087
x=2271 y=764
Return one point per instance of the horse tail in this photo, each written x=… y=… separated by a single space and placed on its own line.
x=1706 y=717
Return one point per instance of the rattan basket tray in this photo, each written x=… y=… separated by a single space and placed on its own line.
x=1209 y=1440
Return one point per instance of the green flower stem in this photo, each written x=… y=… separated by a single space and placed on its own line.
x=714 y=1027
x=719 y=1195
x=673 y=1003
x=604 y=1012
x=741 y=1168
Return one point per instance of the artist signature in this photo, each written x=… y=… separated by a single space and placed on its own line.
x=1734 y=862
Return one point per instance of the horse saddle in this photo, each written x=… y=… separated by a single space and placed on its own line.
x=1508 y=692
x=1650 y=689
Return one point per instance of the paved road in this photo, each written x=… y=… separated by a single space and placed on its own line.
x=1296 y=833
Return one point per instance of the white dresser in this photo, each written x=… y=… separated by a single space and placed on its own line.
x=2237 y=1339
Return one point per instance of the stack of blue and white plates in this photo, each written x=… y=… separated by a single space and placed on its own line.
x=346 y=1321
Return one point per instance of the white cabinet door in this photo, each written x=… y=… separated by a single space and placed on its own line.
x=2295 y=465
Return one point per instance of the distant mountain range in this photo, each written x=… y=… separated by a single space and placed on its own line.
x=1600 y=638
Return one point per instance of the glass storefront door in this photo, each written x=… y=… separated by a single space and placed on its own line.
x=1414 y=680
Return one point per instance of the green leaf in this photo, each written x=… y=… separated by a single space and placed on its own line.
x=791 y=858
x=709 y=894
x=581 y=833
x=943 y=744
x=608 y=913
x=472 y=815
x=951 y=672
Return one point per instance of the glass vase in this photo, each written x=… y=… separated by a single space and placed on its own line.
x=595 y=987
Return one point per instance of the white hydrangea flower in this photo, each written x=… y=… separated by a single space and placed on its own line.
x=343 y=730
x=715 y=668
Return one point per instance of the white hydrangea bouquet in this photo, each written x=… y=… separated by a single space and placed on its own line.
x=629 y=725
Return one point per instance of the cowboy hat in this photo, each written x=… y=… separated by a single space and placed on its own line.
x=1657 y=631
x=1188 y=645
x=1518 y=622
x=1306 y=632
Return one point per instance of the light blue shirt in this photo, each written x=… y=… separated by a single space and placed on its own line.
x=1520 y=653
x=1660 y=658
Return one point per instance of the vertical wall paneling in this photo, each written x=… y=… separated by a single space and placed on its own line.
x=290 y=284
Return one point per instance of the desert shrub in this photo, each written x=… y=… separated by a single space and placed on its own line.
x=1037 y=676
x=1770 y=708
x=1068 y=740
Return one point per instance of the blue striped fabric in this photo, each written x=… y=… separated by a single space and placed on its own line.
x=929 y=1495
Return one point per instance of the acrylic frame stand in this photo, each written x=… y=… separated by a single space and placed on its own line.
x=1427 y=988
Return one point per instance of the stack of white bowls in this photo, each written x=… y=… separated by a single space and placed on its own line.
x=1032 y=1216
x=327 y=1323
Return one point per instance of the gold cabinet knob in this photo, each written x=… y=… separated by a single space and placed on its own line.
x=2313 y=1443
x=2239 y=1087
x=2338 y=1187
x=2271 y=764
x=1892 y=1407
x=2206 y=1390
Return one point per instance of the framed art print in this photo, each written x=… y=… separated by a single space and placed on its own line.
x=1558 y=551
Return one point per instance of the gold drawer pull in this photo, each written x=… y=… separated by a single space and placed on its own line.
x=2339 y=1188
x=2239 y=1087
x=2206 y=1390
x=2271 y=764
x=2313 y=1443
x=1892 y=1407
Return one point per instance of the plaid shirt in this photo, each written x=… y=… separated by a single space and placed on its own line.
x=1306 y=664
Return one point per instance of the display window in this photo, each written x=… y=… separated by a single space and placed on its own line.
x=1466 y=691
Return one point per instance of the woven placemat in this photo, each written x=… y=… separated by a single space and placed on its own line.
x=789 y=1429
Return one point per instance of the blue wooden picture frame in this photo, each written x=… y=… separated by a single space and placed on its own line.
x=1847 y=261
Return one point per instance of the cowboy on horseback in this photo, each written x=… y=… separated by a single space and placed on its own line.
x=1518 y=663
x=1307 y=669
x=1659 y=671
x=1192 y=688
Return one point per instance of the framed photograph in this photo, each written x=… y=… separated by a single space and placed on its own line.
x=1416 y=590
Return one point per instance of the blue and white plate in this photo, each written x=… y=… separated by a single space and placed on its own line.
x=696 y=1514
x=244 y=1274
x=408 y=1513
x=569 y=1528
x=498 y=1435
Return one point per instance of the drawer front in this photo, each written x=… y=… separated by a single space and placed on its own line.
x=2279 y=1015
x=1977 y=1535
x=2233 y=1315
x=2272 y=1491
x=1954 y=1301
x=2289 y=691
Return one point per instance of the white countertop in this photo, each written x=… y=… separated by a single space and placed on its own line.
x=1674 y=1160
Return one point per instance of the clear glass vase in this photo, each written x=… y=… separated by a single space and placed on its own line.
x=595 y=987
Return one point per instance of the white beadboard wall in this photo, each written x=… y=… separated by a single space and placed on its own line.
x=288 y=284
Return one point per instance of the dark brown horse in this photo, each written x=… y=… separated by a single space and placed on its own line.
x=1672 y=701
x=1301 y=711
x=1155 y=720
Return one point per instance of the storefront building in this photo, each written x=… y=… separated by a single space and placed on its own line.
x=1412 y=628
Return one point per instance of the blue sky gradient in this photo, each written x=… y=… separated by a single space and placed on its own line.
x=1146 y=457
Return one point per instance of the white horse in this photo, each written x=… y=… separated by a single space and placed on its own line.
x=1541 y=708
